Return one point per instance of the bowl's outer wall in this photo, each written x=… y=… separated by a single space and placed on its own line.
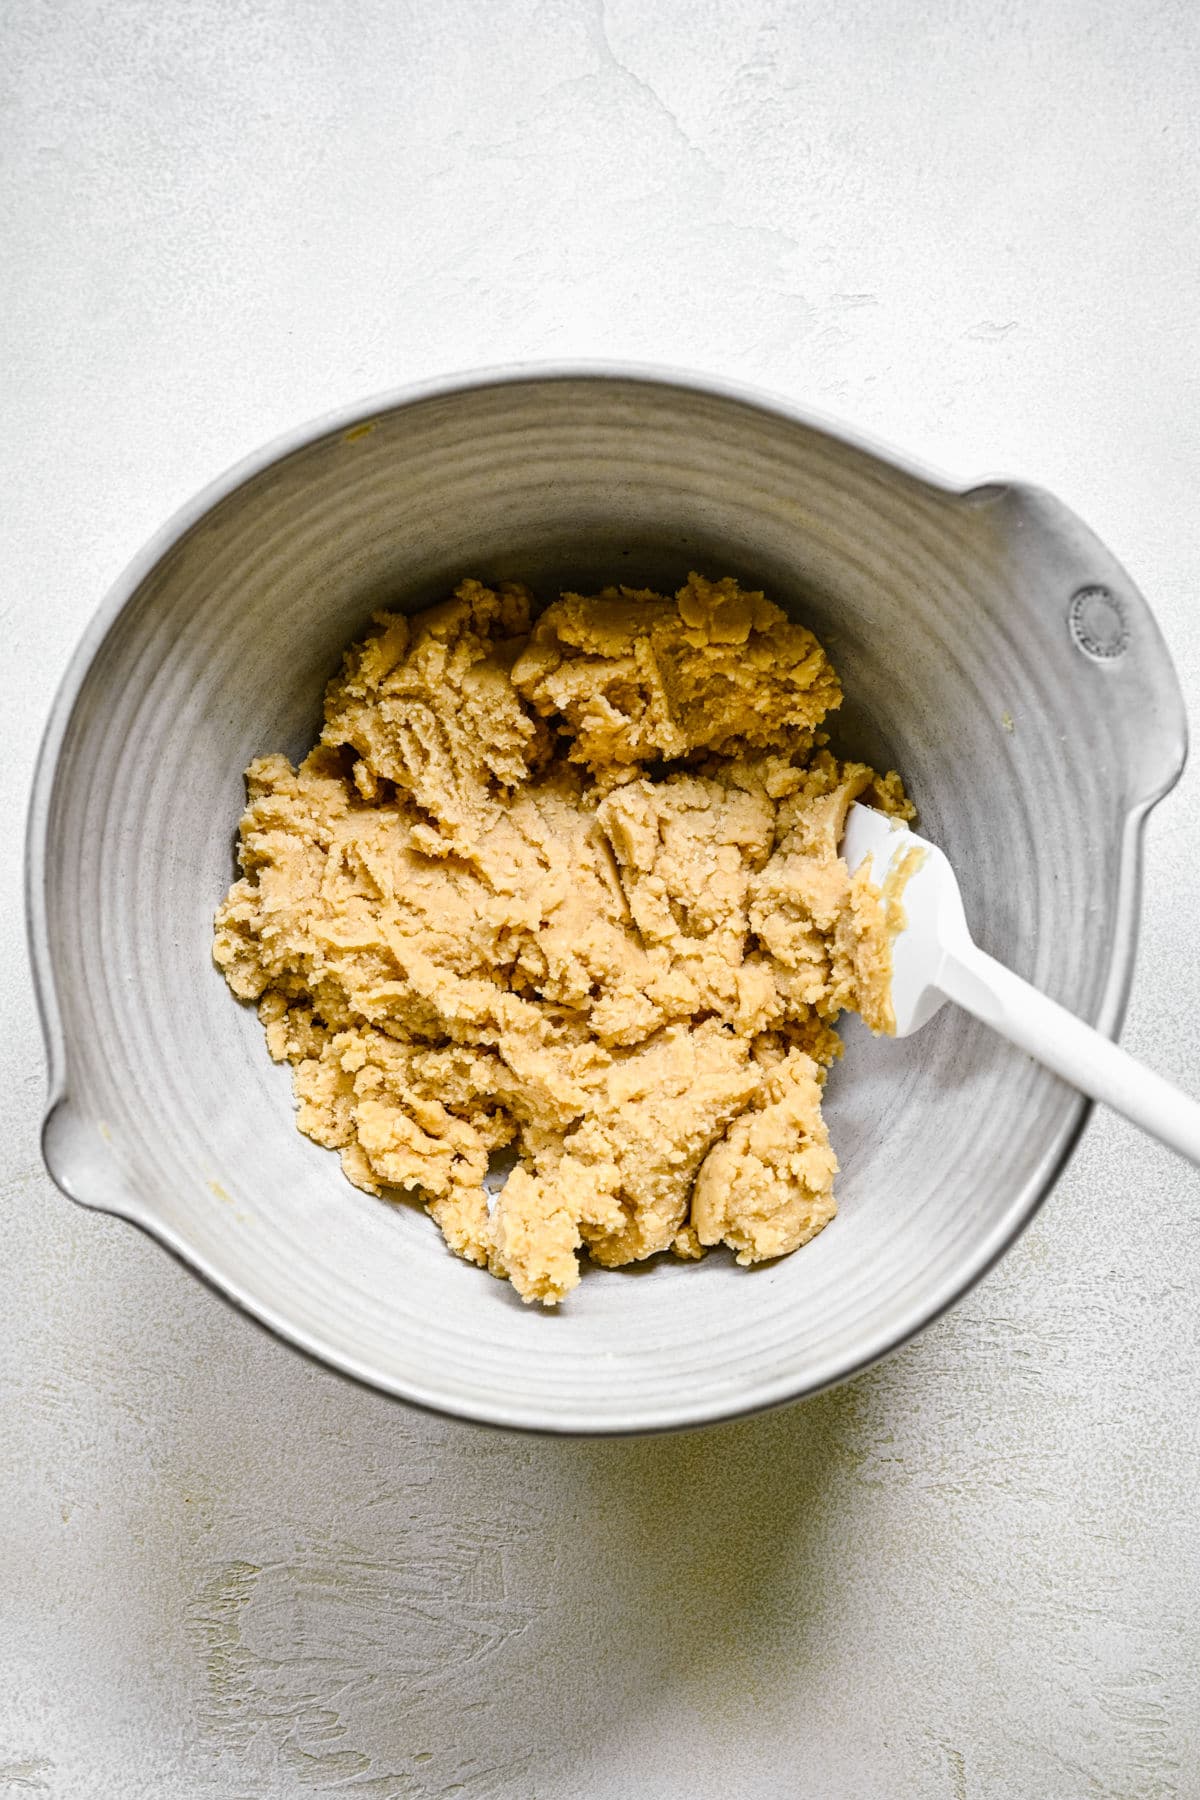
x=1032 y=763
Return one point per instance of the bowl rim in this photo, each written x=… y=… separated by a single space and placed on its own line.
x=782 y=1390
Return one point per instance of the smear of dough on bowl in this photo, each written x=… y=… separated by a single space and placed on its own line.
x=568 y=885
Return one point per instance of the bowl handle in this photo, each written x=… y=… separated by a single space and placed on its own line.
x=1103 y=619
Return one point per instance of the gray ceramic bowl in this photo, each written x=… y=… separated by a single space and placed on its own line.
x=990 y=648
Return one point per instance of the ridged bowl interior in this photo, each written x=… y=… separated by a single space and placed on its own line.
x=1031 y=758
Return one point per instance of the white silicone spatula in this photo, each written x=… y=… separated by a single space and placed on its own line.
x=934 y=960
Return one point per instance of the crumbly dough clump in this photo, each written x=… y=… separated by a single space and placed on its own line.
x=569 y=889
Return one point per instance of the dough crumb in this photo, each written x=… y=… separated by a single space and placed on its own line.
x=567 y=886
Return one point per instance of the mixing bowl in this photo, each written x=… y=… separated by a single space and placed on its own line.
x=990 y=648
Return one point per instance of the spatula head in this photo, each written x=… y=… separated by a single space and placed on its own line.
x=925 y=913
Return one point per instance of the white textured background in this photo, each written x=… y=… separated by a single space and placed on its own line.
x=970 y=229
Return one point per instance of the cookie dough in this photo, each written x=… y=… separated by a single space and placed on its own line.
x=568 y=888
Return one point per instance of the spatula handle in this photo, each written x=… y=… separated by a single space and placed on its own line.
x=1072 y=1049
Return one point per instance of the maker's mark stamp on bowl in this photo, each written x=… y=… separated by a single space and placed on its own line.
x=1097 y=623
